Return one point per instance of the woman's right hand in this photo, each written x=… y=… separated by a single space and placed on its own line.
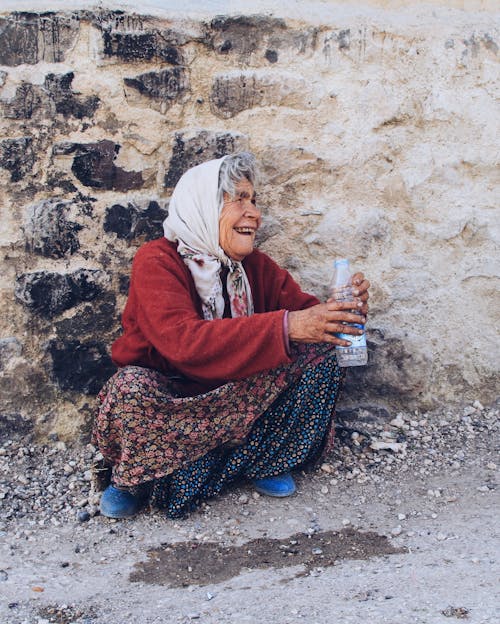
x=321 y=322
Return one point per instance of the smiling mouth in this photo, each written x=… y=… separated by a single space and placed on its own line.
x=247 y=231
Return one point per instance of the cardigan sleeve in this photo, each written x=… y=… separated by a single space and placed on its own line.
x=206 y=351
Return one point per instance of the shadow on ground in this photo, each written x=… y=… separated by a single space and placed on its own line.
x=197 y=563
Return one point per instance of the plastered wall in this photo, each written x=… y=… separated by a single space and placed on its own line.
x=377 y=132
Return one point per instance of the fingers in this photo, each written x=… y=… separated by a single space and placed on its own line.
x=322 y=322
x=332 y=339
x=333 y=305
x=360 y=287
x=345 y=311
x=339 y=328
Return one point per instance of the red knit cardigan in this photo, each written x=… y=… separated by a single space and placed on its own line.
x=164 y=329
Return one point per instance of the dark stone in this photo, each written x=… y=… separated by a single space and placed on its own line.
x=205 y=145
x=45 y=293
x=80 y=366
x=86 y=284
x=344 y=39
x=33 y=37
x=13 y=426
x=17 y=156
x=119 y=220
x=167 y=85
x=96 y=319
x=94 y=166
x=9 y=348
x=271 y=56
x=124 y=284
x=48 y=294
x=48 y=232
x=141 y=46
x=25 y=103
x=131 y=222
x=243 y=34
x=58 y=181
x=490 y=44
x=19 y=36
x=66 y=101
x=232 y=93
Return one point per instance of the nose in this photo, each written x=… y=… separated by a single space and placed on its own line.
x=251 y=209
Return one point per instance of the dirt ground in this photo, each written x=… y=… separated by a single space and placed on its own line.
x=412 y=546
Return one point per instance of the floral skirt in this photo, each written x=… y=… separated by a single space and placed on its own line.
x=190 y=447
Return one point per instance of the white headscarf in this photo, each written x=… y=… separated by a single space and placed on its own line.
x=193 y=222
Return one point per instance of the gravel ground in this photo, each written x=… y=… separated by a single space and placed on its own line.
x=428 y=482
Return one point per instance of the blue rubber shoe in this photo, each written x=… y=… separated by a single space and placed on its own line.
x=117 y=503
x=280 y=486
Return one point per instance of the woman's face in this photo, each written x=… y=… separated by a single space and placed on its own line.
x=239 y=220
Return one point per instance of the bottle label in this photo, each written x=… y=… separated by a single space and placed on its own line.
x=356 y=341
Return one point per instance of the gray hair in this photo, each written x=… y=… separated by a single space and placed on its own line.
x=236 y=167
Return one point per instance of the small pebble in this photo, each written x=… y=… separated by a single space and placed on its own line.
x=83 y=516
x=456 y=612
x=398 y=422
x=243 y=499
x=396 y=531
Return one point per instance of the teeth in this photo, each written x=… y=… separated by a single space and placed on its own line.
x=244 y=230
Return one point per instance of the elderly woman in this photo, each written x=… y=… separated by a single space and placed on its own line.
x=227 y=370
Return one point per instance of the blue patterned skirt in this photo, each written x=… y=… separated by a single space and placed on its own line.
x=292 y=432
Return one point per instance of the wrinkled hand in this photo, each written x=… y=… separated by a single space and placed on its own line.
x=360 y=287
x=321 y=322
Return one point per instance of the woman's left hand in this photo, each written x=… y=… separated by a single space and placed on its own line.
x=360 y=287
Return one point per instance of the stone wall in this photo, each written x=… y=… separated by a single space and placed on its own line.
x=378 y=138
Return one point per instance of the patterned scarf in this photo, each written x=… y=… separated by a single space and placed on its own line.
x=193 y=222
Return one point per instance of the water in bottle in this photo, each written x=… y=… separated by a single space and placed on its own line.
x=341 y=290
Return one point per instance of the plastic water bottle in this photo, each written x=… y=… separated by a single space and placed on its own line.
x=341 y=290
